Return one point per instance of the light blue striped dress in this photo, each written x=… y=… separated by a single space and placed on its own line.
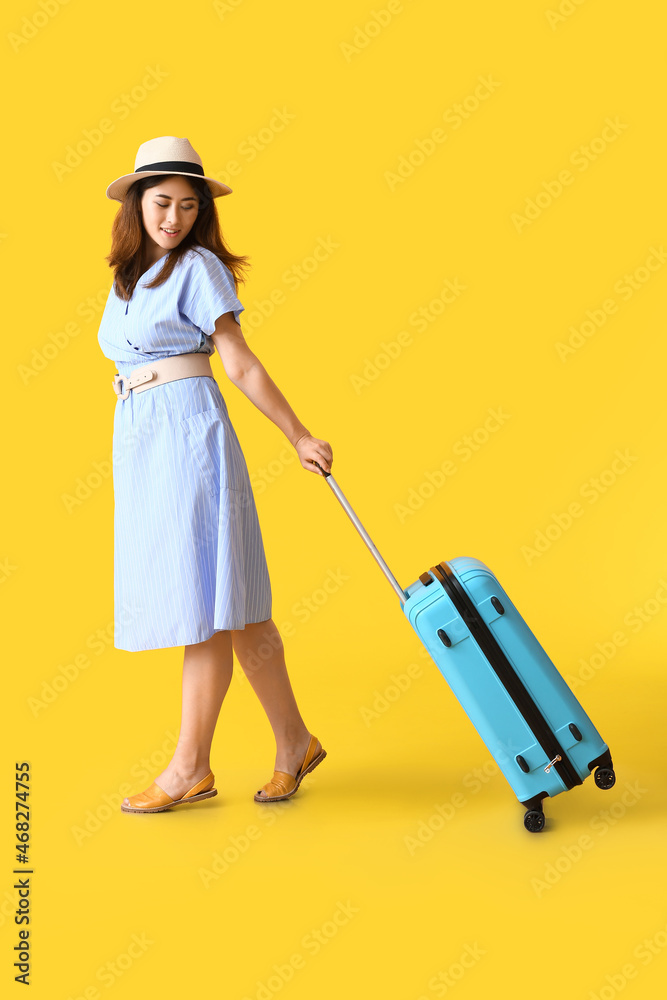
x=189 y=557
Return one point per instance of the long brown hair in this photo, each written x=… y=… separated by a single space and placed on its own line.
x=128 y=235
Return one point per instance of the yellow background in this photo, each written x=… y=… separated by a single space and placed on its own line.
x=360 y=90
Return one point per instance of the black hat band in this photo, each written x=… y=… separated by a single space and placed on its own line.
x=178 y=166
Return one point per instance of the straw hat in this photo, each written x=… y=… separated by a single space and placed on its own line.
x=165 y=155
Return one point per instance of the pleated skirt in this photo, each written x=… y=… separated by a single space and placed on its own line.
x=189 y=556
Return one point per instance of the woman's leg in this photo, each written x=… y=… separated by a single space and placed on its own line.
x=207 y=673
x=259 y=649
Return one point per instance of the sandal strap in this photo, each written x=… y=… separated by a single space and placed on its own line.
x=201 y=786
x=310 y=754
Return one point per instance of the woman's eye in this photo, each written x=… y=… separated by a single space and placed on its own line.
x=161 y=205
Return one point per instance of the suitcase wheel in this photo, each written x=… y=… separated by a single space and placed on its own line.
x=605 y=777
x=534 y=820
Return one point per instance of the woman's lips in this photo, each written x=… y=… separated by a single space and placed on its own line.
x=167 y=233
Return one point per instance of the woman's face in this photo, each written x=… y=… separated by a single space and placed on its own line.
x=169 y=211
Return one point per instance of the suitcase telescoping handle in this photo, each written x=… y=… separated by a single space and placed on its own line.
x=364 y=534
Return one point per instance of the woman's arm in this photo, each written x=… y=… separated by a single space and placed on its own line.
x=247 y=372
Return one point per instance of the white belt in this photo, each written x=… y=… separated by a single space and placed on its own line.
x=161 y=371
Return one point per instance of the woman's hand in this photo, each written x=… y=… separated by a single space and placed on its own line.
x=314 y=452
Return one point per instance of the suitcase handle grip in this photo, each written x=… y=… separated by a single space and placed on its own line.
x=364 y=534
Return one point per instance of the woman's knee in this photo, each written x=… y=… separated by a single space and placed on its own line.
x=255 y=628
x=261 y=638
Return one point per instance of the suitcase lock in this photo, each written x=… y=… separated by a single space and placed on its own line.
x=552 y=762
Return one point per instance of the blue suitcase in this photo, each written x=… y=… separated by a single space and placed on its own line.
x=531 y=722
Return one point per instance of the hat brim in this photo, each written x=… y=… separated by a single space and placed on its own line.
x=118 y=188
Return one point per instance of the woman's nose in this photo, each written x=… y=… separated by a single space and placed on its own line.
x=173 y=213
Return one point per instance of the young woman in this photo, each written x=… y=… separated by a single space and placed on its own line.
x=189 y=561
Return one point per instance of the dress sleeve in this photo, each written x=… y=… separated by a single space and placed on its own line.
x=208 y=291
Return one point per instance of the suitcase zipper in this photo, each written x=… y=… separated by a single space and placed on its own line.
x=507 y=675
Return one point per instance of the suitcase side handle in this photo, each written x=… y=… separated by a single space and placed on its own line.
x=364 y=534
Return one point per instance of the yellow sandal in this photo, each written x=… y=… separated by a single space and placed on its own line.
x=284 y=785
x=155 y=799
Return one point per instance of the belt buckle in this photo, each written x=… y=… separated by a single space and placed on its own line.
x=117 y=379
x=141 y=375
